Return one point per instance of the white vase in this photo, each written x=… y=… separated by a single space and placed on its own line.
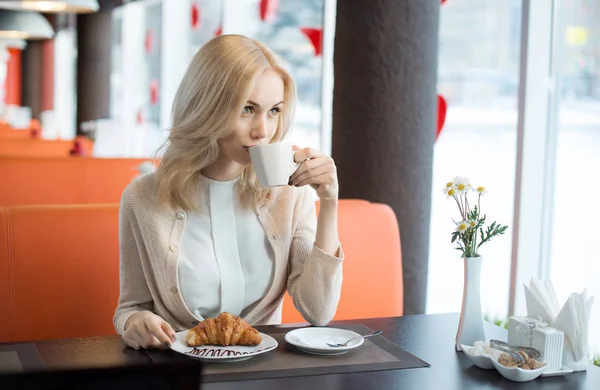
x=470 y=327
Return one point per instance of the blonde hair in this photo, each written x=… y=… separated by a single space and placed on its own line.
x=206 y=107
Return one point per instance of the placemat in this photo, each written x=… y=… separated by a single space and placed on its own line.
x=19 y=358
x=376 y=354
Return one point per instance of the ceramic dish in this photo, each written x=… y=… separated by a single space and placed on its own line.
x=516 y=374
x=481 y=361
x=314 y=340
x=213 y=353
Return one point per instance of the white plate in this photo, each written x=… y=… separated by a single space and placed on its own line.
x=314 y=340
x=217 y=354
x=563 y=371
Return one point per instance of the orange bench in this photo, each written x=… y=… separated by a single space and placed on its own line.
x=64 y=180
x=59 y=268
x=8 y=132
x=59 y=271
x=34 y=147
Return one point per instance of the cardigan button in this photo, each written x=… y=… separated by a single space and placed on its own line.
x=180 y=215
x=174 y=290
x=173 y=248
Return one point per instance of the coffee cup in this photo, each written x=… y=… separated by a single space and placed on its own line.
x=273 y=163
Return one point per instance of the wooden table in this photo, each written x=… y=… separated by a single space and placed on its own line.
x=429 y=337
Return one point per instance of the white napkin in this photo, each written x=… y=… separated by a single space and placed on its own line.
x=573 y=318
x=537 y=306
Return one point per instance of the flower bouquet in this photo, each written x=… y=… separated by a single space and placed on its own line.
x=470 y=227
x=470 y=233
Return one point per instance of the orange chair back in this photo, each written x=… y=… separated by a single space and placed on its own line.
x=372 y=271
x=59 y=268
x=30 y=147
x=64 y=180
x=59 y=271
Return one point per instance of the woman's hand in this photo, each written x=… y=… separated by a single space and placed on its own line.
x=147 y=330
x=316 y=169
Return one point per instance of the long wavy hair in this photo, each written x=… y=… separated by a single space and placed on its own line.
x=206 y=107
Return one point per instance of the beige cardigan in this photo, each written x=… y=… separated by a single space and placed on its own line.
x=150 y=236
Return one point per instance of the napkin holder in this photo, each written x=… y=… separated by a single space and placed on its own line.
x=569 y=360
x=550 y=342
x=520 y=330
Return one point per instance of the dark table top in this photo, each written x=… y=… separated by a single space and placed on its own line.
x=429 y=337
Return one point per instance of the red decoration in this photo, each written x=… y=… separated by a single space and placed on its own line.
x=153 y=91
x=443 y=1
x=149 y=41
x=316 y=38
x=35 y=129
x=219 y=31
x=195 y=16
x=139 y=118
x=441 y=115
x=78 y=149
x=268 y=9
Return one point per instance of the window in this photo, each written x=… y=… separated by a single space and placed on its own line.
x=574 y=261
x=288 y=27
x=478 y=75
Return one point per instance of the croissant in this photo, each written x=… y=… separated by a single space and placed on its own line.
x=225 y=330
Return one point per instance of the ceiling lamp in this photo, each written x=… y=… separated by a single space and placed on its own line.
x=13 y=43
x=24 y=25
x=52 y=6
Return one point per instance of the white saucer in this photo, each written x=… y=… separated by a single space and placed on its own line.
x=217 y=354
x=314 y=340
x=563 y=371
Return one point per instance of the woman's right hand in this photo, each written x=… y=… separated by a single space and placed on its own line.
x=147 y=330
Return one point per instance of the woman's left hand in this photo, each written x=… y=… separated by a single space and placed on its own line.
x=316 y=169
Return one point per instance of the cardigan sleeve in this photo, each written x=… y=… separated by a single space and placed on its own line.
x=134 y=293
x=315 y=277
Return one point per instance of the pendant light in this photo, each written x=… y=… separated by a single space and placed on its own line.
x=13 y=43
x=24 y=25
x=52 y=6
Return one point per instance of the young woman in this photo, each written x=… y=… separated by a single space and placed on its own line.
x=200 y=236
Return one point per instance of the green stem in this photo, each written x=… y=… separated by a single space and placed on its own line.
x=475 y=241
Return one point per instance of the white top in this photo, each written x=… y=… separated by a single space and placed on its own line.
x=226 y=261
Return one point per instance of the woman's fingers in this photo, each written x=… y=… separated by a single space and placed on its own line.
x=147 y=330
x=157 y=337
x=131 y=342
x=312 y=167
x=306 y=154
x=310 y=172
x=166 y=327
x=324 y=179
x=142 y=337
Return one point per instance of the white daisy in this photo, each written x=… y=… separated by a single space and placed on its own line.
x=461 y=184
x=462 y=226
x=449 y=191
x=448 y=187
x=481 y=190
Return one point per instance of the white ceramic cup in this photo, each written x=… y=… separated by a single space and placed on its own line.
x=273 y=163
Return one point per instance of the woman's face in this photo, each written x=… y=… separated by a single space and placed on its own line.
x=258 y=120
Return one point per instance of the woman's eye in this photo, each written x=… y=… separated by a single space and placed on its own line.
x=248 y=110
x=275 y=111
